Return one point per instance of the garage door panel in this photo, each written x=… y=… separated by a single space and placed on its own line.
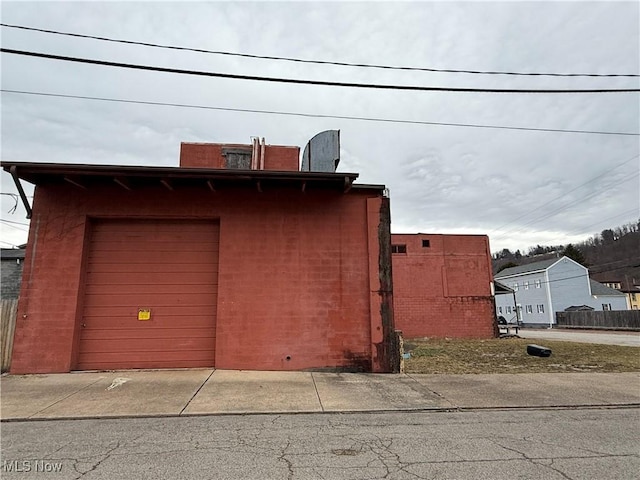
x=146 y=257
x=131 y=322
x=129 y=290
x=120 y=228
x=158 y=245
x=148 y=360
x=124 y=332
x=168 y=267
x=159 y=345
x=165 y=268
x=154 y=278
x=111 y=311
x=152 y=300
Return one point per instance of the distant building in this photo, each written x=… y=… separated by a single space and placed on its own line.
x=442 y=285
x=543 y=288
x=12 y=261
x=630 y=289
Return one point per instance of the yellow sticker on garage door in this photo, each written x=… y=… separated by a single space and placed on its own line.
x=144 y=314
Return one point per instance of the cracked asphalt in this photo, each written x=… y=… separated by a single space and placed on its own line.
x=579 y=443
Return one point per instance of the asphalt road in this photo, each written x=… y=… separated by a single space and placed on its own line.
x=519 y=443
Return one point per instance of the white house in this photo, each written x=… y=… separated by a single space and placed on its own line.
x=543 y=288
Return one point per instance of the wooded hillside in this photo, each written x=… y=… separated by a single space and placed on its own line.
x=613 y=255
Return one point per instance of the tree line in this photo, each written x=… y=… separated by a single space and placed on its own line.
x=611 y=255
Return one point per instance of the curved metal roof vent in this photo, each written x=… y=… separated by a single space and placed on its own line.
x=322 y=153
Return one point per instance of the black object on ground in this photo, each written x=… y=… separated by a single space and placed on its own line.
x=538 y=351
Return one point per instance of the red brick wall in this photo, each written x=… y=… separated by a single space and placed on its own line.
x=293 y=275
x=209 y=155
x=281 y=158
x=443 y=290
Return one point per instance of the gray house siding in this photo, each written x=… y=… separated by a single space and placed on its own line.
x=543 y=288
x=531 y=293
x=11 y=273
x=569 y=285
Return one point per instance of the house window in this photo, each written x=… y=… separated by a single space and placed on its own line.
x=529 y=308
x=526 y=285
x=426 y=243
x=398 y=249
x=606 y=306
x=633 y=297
x=537 y=283
x=515 y=286
x=541 y=308
x=508 y=309
x=499 y=309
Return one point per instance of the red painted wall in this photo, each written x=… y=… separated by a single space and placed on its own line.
x=209 y=155
x=443 y=290
x=294 y=273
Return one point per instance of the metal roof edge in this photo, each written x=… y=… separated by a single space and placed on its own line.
x=44 y=168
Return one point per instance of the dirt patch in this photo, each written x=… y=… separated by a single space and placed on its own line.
x=509 y=355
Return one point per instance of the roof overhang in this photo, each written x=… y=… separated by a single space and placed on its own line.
x=83 y=176
x=501 y=288
x=131 y=177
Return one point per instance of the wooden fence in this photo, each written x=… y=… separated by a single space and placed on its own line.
x=7 y=329
x=609 y=319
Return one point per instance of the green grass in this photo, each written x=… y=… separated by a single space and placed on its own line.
x=509 y=355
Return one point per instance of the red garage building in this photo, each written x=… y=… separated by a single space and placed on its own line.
x=235 y=260
x=442 y=286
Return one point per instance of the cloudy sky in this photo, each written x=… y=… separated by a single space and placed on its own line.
x=520 y=187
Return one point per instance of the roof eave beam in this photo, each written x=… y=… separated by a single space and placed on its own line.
x=14 y=173
x=123 y=182
x=75 y=182
x=348 y=183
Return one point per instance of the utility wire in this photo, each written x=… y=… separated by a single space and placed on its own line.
x=15 y=223
x=8 y=224
x=605 y=172
x=318 y=62
x=313 y=115
x=306 y=82
x=564 y=207
x=635 y=210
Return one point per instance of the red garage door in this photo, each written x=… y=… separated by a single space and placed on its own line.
x=150 y=295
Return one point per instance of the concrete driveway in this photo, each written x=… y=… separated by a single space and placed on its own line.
x=628 y=339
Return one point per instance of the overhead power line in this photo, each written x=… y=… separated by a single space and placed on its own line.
x=10 y=224
x=307 y=82
x=553 y=213
x=318 y=62
x=10 y=244
x=314 y=115
x=14 y=223
x=593 y=179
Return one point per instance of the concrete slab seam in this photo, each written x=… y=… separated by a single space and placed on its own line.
x=432 y=391
x=317 y=394
x=68 y=396
x=196 y=392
